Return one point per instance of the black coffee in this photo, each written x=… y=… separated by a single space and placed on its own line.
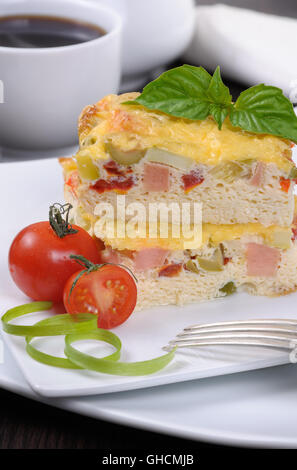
x=45 y=31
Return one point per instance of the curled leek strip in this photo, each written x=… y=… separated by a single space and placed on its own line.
x=82 y=326
x=53 y=326
x=109 y=365
x=65 y=363
x=47 y=358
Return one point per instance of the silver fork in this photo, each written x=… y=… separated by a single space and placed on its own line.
x=275 y=333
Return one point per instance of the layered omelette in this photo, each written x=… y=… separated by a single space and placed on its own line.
x=243 y=180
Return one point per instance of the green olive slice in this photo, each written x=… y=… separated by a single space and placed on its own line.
x=215 y=263
x=191 y=266
x=293 y=173
x=124 y=157
x=86 y=168
x=228 y=288
x=229 y=171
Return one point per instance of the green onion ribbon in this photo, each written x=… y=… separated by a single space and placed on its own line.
x=82 y=326
x=107 y=366
x=53 y=326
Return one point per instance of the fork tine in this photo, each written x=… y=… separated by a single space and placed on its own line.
x=279 y=333
x=240 y=328
x=227 y=335
x=263 y=321
x=230 y=341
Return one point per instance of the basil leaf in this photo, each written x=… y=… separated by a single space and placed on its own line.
x=265 y=110
x=180 y=92
x=219 y=94
x=219 y=113
x=188 y=92
x=217 y=91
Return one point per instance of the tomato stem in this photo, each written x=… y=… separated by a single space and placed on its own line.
x=89 y=267
x=60 y=226
x=85 y=263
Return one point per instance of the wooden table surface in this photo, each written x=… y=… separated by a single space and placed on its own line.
x=25 y=424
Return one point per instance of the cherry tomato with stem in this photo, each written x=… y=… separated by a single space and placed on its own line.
x=39 y=257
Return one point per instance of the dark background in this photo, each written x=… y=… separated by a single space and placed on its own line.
x=25 y=424
x=276 y=7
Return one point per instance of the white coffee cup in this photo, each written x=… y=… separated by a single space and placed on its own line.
x=45 y=89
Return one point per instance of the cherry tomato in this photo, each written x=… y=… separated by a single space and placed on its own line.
x=109 y=292
x=39 y=260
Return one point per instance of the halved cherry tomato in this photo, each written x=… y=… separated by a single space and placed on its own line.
x=109 y=292
x=39 y=260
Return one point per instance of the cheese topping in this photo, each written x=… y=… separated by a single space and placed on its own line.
x=131 y=127
x=212 y=233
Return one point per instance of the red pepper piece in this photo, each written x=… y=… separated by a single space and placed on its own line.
x=191 y=180
x=284 y=184
x=170 y=270
x=120 y=185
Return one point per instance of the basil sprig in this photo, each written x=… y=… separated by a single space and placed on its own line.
x=192 y=93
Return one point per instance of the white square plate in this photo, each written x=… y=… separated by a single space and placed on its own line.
x=27 y=189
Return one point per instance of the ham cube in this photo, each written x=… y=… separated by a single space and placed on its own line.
x=149 y=258
x=262 y=260
x=155 y=177
x=258 y=176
